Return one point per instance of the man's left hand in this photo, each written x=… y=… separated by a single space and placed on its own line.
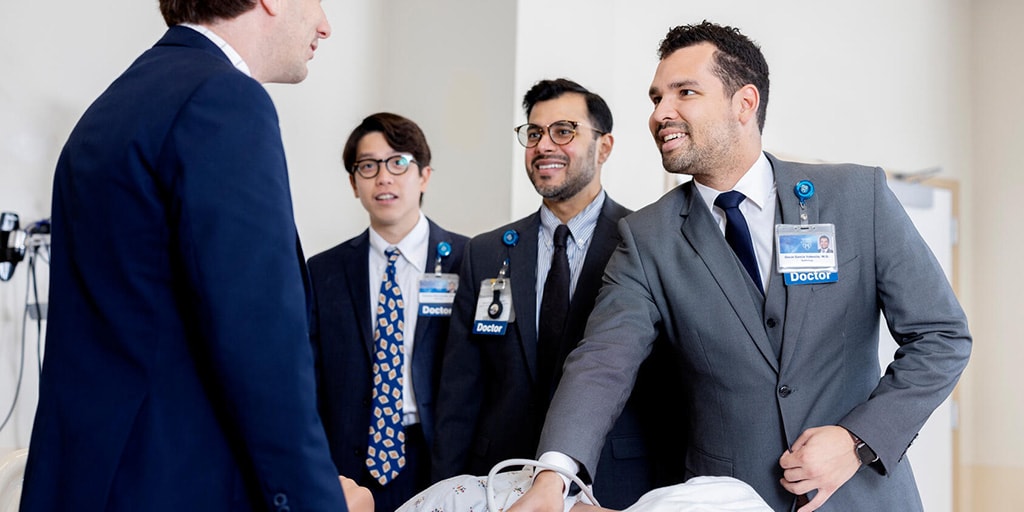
x=822 y=458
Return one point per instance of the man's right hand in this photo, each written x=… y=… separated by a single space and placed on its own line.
x=544 y=496
x=358 y=499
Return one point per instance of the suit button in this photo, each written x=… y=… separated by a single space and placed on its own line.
x=785 y=391
x=280 y=500
x=771 y=323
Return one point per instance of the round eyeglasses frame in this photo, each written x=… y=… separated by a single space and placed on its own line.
x=564 y=133
x=396 y=165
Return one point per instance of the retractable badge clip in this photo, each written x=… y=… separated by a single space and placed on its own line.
x=497 y=286
x=443 y=250
x=804 y=190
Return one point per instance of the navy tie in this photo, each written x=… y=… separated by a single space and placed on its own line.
x=554 y=308
x=737 y=233
x=385 y=454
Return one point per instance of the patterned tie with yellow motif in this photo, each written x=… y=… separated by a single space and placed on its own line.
x=385 y=455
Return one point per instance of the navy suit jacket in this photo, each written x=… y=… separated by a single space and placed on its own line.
x=342 y=334
x=488 y=408
x=178 y=371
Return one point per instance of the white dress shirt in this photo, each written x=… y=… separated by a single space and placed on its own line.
x=581 y=232
x=233 y=56
x=408 y=270
x=758 y=184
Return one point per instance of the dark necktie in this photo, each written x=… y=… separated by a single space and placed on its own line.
x=554 y=308
x=737 y=233
x=385 y=455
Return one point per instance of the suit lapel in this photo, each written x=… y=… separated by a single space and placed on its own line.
x=603 y=242
x=354 y=263
x=523 y=269
x=701 y=231
x=797 y=297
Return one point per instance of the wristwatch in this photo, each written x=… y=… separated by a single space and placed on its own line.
x=864 y=452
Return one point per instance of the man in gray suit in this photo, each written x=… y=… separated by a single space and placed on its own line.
x=780 y=388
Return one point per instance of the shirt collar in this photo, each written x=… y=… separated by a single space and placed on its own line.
x=413 y=246
x=578 y=225
x=232 y=55
x=757 y=184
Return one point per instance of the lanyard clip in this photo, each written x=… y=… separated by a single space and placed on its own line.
x=804 y=190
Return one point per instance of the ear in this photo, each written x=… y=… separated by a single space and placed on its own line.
x=352 y=181
x=746 y=101
x=604 y=147
x=425 y=174
x=272 y=7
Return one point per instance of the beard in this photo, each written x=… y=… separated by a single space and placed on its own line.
x=699 y=158
x=578 y=174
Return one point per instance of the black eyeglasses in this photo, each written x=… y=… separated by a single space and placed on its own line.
x=561 y=132
x=397 y=165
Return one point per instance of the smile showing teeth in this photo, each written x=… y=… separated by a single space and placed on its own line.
x=386 y=196
x=671 y=136
x=550 y=166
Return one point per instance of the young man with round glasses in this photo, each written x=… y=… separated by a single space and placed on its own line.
x=402 y=257
x=498 y=374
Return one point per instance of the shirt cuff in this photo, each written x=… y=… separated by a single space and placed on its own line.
x=562 y=461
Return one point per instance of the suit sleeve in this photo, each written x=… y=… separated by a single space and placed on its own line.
x=927 y=322
x=600 y=372
x=242 y=273
x=460 y=395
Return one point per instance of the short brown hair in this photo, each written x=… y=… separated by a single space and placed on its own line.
x=402 y=134
x=202 y=11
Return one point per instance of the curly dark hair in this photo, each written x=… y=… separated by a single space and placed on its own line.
x=738 y=60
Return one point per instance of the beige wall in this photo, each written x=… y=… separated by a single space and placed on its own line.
x=993 y=407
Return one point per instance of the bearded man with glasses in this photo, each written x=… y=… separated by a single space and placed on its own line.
x=495 y=389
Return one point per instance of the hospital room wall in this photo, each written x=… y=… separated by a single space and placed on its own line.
x=908 y=85
x=993 y=410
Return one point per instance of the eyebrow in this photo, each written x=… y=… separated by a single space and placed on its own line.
x=654 y=91
x=363 y=156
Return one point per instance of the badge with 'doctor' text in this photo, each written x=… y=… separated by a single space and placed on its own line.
x=806 y=253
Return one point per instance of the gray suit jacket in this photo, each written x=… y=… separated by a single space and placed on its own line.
x=674 y=278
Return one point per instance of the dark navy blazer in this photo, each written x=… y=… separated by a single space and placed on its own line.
x=342 y=334
x=178 y=372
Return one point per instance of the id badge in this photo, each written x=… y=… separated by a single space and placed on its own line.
x=494 y=307
x=437 y=294
x=806 y=254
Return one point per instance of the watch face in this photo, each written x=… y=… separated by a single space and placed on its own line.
x=865 y=453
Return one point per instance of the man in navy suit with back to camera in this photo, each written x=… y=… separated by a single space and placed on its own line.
x=388 y=164
x=178 y=371
x=778 y=363
x=503 y=360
